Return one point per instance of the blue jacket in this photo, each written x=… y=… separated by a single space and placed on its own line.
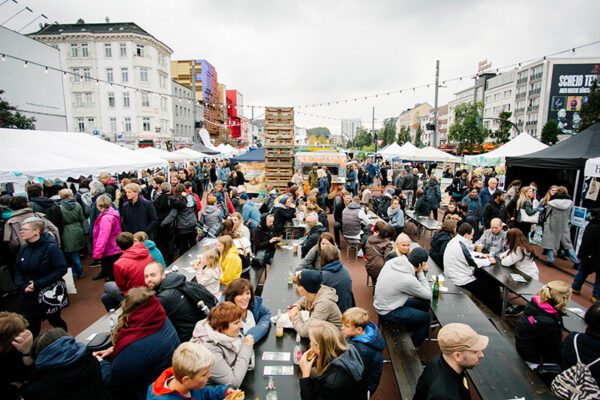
x=485 y=196
x=262 y=316
x=433 y=195
x=250 y=212
x=155 y=252
x=221 y=175
x=139 y=363
x=397 y=218
x=371 y=170
x=336 y=276
x=41 y=262
x=140 y=216
x=351 y=183
x=323 y=185
x=158 y=391
x=475 y=207
x=371 y=346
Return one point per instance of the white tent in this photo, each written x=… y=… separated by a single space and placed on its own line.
x=165 y=155
x=520 y=145
x=390 y=151
x=432 y=154
x=190 y=154
x=592 y=167
x=26 y=154
x=205 y=139
x=406 y=149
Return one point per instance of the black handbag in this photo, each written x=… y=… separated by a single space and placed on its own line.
x=101 y=341
x=54 y=297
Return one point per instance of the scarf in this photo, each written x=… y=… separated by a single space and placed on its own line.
x=145 y=320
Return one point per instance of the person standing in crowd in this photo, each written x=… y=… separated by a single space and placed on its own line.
x=494 y=209
x=211 y=216
x=298 y=180
x=256 y=318
x=231 y=182
x=422 y=206
x=409 y=187
x=60 y=362
x=240 y=179
x=433 y=195
x=556 y=227
x=589 y=254
x=340 y=371
x=205 y=176
x=39 y=270
x=184 y=216
x=440 y=240
x=444 y=375
x=520 y=254
x=402 y=292
x=512 y=191
x=584 y=347
x=377 y=248
x=475 y=210
x=165 y=236
x=486 y=195
x=351 y=180
x=324 y=183
x=451 y=211
x=313 y=177
x=138 y=214
x=110 y=185
x=524 y=210
x=21 y=212
x=456 y=190
x=45 y=205
x=220 y=333
x=195 y=181
x=72 y=235
x=107 y=228
x=143 y=343
x=336 y=276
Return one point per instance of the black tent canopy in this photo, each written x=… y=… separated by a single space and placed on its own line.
x=568 y=154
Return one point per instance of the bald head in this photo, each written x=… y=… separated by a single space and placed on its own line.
x=312 y=219
x=154 y=273
x=496 y=225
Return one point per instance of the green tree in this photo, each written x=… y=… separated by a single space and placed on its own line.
x=502 y=135
x=11 y=118
x=318 y=131
x=418 y=137
x=467 y=130
x=550 y=132
x=362 y=138
x=389 y=132
x=590 y=112
x=403 y=135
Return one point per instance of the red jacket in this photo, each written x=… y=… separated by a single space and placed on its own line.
x=129 y=268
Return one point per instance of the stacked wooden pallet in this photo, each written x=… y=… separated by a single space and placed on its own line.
x=279 y=146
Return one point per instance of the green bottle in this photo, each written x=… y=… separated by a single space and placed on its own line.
x=436 y=288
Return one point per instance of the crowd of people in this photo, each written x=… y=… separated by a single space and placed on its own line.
x=180 y=338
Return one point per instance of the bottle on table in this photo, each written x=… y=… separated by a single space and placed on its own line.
x=203 y=308
x=297 y=350
x=290 y=277
x=436 y=288
x=279 y=324
x=271 y=392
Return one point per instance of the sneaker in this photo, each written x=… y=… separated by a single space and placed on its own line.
x=100 y=275
x=574 y=291
x=593 y=299
x=359 y=254
x=514 y=310
x=95 y=264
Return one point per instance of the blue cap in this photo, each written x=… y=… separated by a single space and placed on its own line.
x=244 y=196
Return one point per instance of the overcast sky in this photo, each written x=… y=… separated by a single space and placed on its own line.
x=284 y=53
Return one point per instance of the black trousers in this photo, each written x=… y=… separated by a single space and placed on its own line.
x=107 y=263
x=35 y=323
x=185 y=241
x=487 y=290
x=165 y=241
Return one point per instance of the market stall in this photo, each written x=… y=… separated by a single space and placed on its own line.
x=165 y=155
x=253 y=168
x=520 y=145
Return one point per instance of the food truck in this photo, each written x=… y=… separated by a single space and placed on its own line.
x=334 y=160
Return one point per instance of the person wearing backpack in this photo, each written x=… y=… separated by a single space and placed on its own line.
x=183 y=212
x=433 y=196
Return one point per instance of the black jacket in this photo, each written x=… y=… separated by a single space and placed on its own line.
x=140 y=216
x=48 y=206
x=439 y=381
x=410 y=182
x=162 y=206
x=439 y=241
x=312 y=238
x=588 y=346
x=493 y=210
x=539 y=333
x=239 y=179
x=282 y=216
x=181 y=309
x=421 y=208
x=12 y=369
x=338 y=208
x=262 y=235
x=589 y=251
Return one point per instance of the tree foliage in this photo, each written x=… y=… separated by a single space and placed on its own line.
x=590 y=112
x=419 y=137
x=403 y=135
x=467 y=131
x=550 y=132
x=362 y=138
x=389 y=132
x=318 y=131
x=11 y=118
x=502 y=134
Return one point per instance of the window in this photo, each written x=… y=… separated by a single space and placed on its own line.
x=74 y=50
x=109 y=74
x=78 y=100
x=86 y=74
x=176 y=110
x=497 y=96
x=81 y=124
x=107 y=50
x=163 y=104
x=76 y=76
x=84 y=50
x=124 y=75
x=145 y=100
x=126 y=99
x=113 y=124
x=146 y=124
x=139 y=50
x=111 y=100
x=91 y=125
x=127 y=124
x=88 y=99
x=144 y=74
x=507 y=93
x=123 y=47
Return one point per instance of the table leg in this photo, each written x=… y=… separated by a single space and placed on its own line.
x=504 y=302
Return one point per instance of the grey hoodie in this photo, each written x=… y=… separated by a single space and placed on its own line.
x=211 y=215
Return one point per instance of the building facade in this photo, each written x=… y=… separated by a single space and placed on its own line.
x=183 y=113
x=349 y=127
x=134 y=104
x=411 y=118
x=235 y=115
x=500 y=95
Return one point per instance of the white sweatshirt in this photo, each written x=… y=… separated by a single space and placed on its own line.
x=460 y=262
x=525 y=264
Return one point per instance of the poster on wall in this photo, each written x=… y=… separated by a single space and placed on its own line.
x=569 y=91
x=578 y=216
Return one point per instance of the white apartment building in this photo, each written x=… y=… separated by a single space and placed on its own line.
x=133 y=63
x=349 y=127
x=183 y=113
x=464 y=96
x=499 y=97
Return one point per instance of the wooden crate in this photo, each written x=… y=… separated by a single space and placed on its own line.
x=279 y=114
x=279 y=162
x=277 y=133
x=280 y=142
x=277 y=152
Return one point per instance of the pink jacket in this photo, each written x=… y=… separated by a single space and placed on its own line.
x=106 y=229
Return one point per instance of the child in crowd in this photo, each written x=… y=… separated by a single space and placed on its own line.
x=142 y=237
x=451 y=211
x=366 y=336
x=188 y=376
x=209 y=272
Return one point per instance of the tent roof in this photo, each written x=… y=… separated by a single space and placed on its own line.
x=165 y=155
x=570 y=154
x=256 y=155
x=199 y=147
x=60 y=155
x=522 y=144
x=390 y=149
x=189 y=154
x=431 y=154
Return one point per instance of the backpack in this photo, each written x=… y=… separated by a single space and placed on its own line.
x=195 y=292
x=576 y=382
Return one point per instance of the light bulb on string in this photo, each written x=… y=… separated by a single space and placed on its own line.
x=3 y=57
x=25 y=64
x=46 y=70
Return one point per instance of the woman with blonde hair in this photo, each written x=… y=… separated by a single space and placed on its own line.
x=525 y=210
x=229 y=259
x=556 y=226
x=340 y=371
x=401 y=247
x=539 y=333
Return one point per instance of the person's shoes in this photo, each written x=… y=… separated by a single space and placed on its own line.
x=107 y=279
x=95 y=264
x=575 y=291
x=593 y=299
x=101 y=275
x=514 y=310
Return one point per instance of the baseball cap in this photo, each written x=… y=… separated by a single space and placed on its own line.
x=460 y=337
x=244 y=196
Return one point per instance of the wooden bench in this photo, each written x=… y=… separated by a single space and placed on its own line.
x=403 y=357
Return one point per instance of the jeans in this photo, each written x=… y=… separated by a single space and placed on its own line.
x=337 y=227
x=112 y=297
x=205 y=185
x=76 y=263
x=580 y=278
x=410 y=198
x=572 y=256
x=414 y=316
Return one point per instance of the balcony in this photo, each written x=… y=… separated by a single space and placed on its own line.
x=521 y=81
x=520 y=110
x=521 y=95
x=533 y=108
x=535 y=92
x=531 y=123
x=535 y=77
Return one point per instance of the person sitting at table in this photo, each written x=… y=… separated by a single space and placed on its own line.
x=584 y=347
x=401 y=247
x=15 y=354
x=256 y=318
x=396 y=215
x=352 y=216
x=440 y=240
x=143 y=343
x=188 y=376
x=314 y=229
x=319 y=300
x=284 y=212
x=444 y=375
x=312 y=260
x=366 y=337
x=377 y=248
x=250 y=214
x=421 y=206
x=539 y=332
x=238 y=226
x=128 y=270
x=179 y=298
x=493 y=240
x=452 y=210
x=220 y=332
x=142 y=237
x=402 y=292
x=314 y=208
x=211 y=215
x=229 y=259
x=520 y=254
x=340 y=371
x=209 y=272
x=462 y=267
x=264 y=241
x=336 y=276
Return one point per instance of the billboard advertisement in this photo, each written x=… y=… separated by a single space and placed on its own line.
x=569 y=91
